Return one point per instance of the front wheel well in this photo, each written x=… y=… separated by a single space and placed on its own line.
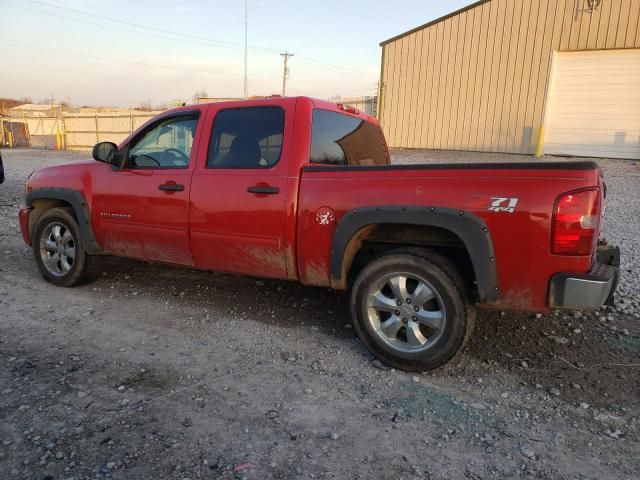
x=42 y=205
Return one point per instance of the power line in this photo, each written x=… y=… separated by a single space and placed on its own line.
x=334 y=67
x=135 y=32
x=143 y=64
x=124 y=22
x=219 y=43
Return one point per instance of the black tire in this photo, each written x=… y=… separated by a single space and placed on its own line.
x=443 y=278
x=81 y=268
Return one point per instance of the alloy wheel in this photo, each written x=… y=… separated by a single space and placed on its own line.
x=57 y=249
x=406 y=312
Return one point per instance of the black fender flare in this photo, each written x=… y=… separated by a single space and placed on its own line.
x=79 y=204
x=471 y=230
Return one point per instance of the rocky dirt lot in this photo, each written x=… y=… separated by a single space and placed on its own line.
x=153 y=372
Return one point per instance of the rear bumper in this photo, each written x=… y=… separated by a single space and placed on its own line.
x=23 y=216
x=590 y=290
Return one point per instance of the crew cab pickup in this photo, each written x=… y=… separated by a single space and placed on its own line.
x=304 y=190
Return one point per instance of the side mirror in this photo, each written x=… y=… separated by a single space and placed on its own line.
x=105 y=152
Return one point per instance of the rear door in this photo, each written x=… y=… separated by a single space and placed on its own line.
x=142 y=210
x=238 y=195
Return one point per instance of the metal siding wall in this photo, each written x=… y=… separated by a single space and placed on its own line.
x=385 y=115
x=460 y=84
x=411 y=92
x=393 y=91
x=436 y=69
x=403 y=95
x=480 y=52
x=448 y=59
x=633 y=25
x=423 y=100
x=505 y=133
x=478 y=80
x=421 y=87
x=512 y=135
x=494 y=72
x=468 y=80
x=541 y=63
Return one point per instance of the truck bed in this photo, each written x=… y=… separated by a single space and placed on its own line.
x=471 y=188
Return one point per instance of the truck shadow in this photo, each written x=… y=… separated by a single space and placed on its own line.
x=587 y=359
x=275 y=302
x=545 y=353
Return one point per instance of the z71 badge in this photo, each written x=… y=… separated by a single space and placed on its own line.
x=503 y=204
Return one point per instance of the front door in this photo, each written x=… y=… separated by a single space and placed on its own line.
x=142 y=210
x=238 y=195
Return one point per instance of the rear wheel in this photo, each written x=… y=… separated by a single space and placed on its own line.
x=411 y=310
x=58 y=248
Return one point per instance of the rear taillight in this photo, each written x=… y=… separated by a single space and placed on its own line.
x=348 y=108
x=575 y=222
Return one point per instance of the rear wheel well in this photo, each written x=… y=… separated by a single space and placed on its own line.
x=41 y=205
x=375 y=241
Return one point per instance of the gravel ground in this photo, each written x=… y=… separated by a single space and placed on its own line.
x=160 y=372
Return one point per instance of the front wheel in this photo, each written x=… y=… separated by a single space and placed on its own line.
x=58 y=248
x=411 y=311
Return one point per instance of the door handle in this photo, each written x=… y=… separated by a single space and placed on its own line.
x=171 y=187
x=266 y=190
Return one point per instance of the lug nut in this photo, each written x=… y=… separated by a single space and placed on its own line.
x=414 y=318
x=404 y=320
x=397 y=312
x=408 y=300
x=416 y=308
x=398 y=303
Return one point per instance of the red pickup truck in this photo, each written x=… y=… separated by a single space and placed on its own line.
x=303 y=190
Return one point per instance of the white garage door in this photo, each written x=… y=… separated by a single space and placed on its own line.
x=594 y=104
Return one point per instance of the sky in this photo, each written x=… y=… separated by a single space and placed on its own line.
x=125 y=52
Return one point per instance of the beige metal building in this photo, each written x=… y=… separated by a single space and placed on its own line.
x=489 y=76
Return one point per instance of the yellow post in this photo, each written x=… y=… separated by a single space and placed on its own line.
x=58 y=137
x=540 y=142
x=10 y=138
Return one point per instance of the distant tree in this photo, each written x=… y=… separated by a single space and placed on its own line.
x=145 y=106
x=7 y=103
x=202 y=93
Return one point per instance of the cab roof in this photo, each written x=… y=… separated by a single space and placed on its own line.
x=275 y=100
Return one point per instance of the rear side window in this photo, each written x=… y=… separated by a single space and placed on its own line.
x=248 y=137
x=340 y=139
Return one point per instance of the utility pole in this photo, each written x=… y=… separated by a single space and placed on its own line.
x=285 y=74
x=246 y=48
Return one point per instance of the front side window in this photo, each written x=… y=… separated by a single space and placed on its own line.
x=166 y=145
x=246 y=138
x=340 y=139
